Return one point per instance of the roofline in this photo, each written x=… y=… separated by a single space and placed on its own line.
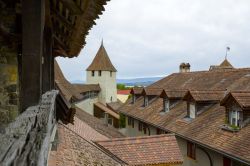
x=93 y=143
x=110 y=154
x=191 y=140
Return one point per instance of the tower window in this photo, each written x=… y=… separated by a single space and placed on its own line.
x=100 y=73
x=110 y=73
x=93 y=73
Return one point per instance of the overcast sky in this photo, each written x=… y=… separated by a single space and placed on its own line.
x=147 y=38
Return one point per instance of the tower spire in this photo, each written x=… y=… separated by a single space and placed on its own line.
x=227 y=50
x=102 y=42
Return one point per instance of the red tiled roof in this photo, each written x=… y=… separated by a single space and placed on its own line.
x=107 y=110
x=81 y=88
x=173 y=94
x=152 y=91
x=98 y=124
x=160 y=149
x=65 y=87
x=205 y=129
x=123 y=92
x=136 y=90
x=101 y=61
x=74 y=150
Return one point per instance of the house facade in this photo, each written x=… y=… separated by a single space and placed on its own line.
x=208 y=131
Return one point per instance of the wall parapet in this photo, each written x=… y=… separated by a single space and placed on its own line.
x=26 y=140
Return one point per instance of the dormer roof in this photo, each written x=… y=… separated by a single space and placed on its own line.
x=152 y=91
x=101 y=61
x=136 y=90
x=204 y=95
x=242 y=98
x=173 y=94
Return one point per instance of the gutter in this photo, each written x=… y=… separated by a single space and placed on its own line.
x=191 y=140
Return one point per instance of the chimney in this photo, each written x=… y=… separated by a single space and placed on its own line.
x=184 y=67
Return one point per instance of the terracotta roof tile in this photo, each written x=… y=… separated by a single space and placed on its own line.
x=74 y=150
x=161 y=149
x=205 y=95
x=98 y=124
x=101 y=61
x=241 y=97
x=107 y=110
x=81 y=88
x=65 y=87
x=205 y=129
x=136 y=90
x=152 y=91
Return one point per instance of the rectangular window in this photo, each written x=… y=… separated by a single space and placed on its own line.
x=110 y=73
x=226 y=161
x=159 y=131
x=140 y=126
x=192 y=111
x=100 y=73
x=93 y=73
x=131 y=122
x=145 y=101
x=165 y=105
x=144 y=128
x=191 y=150
x=234 y=117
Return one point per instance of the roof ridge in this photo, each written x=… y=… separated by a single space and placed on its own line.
x=136 y=138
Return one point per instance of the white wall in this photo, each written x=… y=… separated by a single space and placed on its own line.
x=107 y=84
x=134 y=132
x=87 y=105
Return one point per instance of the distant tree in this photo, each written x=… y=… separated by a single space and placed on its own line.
x=122 y=87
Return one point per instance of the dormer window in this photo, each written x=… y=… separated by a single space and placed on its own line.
x=237 y=110
x=93 y=73
x=145 y=101
x=165 y=104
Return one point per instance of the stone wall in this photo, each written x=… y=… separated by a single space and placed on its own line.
x=8 y=66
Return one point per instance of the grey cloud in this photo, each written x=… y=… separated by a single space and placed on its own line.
x=151 y=37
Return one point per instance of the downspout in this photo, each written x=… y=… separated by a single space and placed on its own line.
x=208 y=155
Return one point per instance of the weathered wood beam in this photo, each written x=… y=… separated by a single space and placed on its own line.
x=27 y=139
x=72 y=6
x=33 y=21
x=63 y=20
x=47 y=60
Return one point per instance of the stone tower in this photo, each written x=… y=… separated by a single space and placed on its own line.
x=101 y=71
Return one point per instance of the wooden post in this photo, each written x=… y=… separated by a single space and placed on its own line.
x=47 y=60
x=33 y=19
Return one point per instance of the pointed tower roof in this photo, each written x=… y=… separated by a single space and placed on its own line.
x=226 y=64
x=101 y=61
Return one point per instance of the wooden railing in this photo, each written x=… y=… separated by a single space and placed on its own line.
x=26 y=141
